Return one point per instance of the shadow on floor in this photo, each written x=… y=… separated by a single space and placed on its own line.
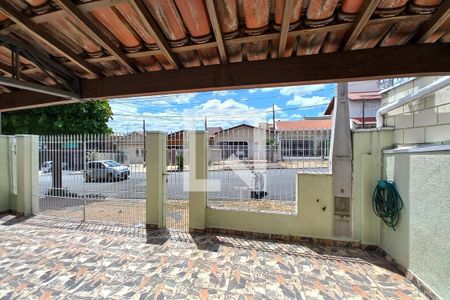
x=208 y=242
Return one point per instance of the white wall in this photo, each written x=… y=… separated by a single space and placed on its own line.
x=355 y=108
x=363 y=86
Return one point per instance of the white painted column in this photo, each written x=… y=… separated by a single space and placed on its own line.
x=5 y=174
x=155 y=161
x=27 y=174
x=198 y=171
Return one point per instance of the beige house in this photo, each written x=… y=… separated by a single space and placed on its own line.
x=241 y=142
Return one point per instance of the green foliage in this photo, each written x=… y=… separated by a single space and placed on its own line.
x=180 y=162
x=86 y=117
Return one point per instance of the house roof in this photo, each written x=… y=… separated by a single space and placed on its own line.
x=213 y=130
x=303 y=124
x=367 y=120
x=354 y=96
x=96 y=40
x=359 y=96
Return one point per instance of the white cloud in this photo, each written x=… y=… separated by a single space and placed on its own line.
x=292 y=90
x=162 y=100
x=224 y=93
x=228 y=113
x=123 y=108
x=223 y=113
x=308 y=101
x=296 y=117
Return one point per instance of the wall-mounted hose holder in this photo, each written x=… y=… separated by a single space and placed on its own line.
x=387 y=203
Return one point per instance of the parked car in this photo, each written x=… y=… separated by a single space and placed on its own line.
x=47 y=166
x=105 y=170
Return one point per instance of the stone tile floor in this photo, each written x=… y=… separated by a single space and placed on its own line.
x=44 y=258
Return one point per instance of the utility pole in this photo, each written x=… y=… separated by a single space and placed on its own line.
x=363 y=114
x=143 y=128
x=206 y=123
x=273 y=116
x=341 y=162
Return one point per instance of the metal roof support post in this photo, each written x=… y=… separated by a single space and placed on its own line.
x=341 y=162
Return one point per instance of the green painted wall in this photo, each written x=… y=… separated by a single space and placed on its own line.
x=367 y=156
x=314 y=192
x=5 y=184
x=422 y=240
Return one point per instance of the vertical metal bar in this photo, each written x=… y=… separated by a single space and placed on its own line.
x=83 y=141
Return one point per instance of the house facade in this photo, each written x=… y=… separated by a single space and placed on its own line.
x=241 y=142
x=308 y=138
x=364 y=101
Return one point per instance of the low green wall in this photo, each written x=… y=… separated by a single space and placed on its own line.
x=421 y=241
x=314 y=192
x=5 y=184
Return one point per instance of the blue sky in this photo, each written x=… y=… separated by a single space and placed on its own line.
x=221 y=108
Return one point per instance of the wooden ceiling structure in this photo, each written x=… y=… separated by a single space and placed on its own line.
x=63 y=51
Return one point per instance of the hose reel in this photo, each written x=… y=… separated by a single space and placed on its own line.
x=387 y=202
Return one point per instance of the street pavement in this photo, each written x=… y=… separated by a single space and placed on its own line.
x=278 y=183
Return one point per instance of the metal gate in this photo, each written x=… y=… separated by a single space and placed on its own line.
x=176 y=204
x=93 y=177
x=257 y=167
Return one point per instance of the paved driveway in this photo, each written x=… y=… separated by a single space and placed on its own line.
x=42 y=258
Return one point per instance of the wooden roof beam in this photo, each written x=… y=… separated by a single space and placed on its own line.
x=366 y=64
x=36 y=31
x=288 y=5
x=97 y=35
x=217 y=32
x=365 y=12
x=427 y=29
x=154 y=30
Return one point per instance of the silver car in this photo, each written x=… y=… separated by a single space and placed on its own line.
x=105 y=170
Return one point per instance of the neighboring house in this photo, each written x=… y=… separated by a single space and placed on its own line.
x=132 y=147
x=304 y=138
x=211 y=133
x=364 y=101
x=241 y=142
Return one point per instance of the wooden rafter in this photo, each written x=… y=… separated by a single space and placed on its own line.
x=8 y=70
x=217 y=32
x=427 y=29
x=257 y=38
x=36 y=31
x=156 y=33
x=288 y=5
x=97 y=35
x=365 y=12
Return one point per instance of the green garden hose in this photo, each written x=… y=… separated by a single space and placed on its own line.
x=387 y=202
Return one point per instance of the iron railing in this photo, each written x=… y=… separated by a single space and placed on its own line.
x=256 y=168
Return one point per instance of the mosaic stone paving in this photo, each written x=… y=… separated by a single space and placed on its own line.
x=44 y=258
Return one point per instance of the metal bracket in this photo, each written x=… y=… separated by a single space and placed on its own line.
x=64 y=77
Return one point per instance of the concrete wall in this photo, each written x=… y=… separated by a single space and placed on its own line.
x=421 y=241
x=426 y=120
x=314 y=192
x=5 y=183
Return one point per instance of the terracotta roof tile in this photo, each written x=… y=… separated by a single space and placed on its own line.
x=303 y=124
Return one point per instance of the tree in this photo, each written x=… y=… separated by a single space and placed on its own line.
x=78 y=118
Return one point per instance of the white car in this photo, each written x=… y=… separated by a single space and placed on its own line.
x=47 y=166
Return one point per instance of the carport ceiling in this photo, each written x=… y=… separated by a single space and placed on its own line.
x=61 y=51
